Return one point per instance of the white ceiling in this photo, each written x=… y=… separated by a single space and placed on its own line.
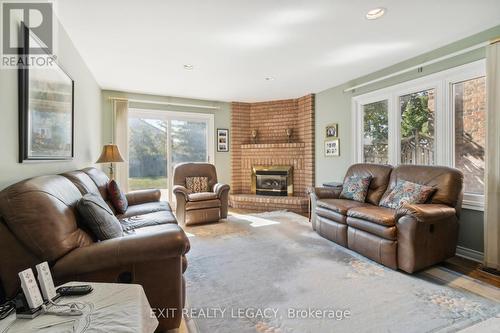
x=307 y=46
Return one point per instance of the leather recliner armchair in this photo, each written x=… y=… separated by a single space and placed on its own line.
x=195 y=208
x=39 y=222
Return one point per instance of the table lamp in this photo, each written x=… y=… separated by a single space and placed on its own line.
x=110 y=154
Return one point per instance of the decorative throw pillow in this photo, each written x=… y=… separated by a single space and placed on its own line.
x=197 y=184
x=355 y=188
x=117 y=197
x=406 y=192
x=98 y=217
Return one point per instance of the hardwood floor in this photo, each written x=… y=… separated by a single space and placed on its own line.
x=471 y=269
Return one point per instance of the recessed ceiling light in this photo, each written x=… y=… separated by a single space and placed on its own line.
x=375 y=13
x=269 y=78
x=188 y=67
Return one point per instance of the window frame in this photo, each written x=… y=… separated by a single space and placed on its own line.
x=442 y=82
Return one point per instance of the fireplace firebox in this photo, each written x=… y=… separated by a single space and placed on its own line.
x=272 y=180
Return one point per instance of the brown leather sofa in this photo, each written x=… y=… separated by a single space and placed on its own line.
x=40 y=223
x=409 y=238
x=195 y=208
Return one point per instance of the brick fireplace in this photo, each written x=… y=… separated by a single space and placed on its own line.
x=272 y=148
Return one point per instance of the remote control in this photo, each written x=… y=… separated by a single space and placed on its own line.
x=75 y=290
x=30 y=289
x=46 y=282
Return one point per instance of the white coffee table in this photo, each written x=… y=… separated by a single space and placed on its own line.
x=110 y=307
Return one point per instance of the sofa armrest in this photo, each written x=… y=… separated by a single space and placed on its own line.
x=220 y=188
x=427 y=213
x=325 y=192
x=127 y=250
x=143 y=196
x=180 y=190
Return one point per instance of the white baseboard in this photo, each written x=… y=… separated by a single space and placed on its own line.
x=470 y=254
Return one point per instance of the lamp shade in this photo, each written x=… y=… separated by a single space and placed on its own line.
x=110 y=154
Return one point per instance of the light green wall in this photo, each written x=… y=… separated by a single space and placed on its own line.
x=334 y=106
x=222 y=120
x=87 y=119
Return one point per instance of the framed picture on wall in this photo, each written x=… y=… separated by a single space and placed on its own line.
x=332 y=148
x=332 y=131
x=46 y=110
x=222 y=140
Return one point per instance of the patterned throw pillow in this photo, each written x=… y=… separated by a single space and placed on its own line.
x=197 y=184
x=406 y=192
x=98 y=217
x=117 y=197
x=355 y=188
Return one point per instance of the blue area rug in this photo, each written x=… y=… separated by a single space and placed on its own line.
x=270 y=272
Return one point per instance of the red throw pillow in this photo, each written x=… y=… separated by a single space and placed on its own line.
x=117 y=197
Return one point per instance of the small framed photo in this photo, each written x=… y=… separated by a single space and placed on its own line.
x=332 y=131
x=332 y=148
x=222 y=140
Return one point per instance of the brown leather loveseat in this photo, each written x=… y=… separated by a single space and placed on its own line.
x=40 y=223
x=409 y=238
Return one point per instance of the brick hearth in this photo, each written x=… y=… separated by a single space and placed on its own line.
x=271 y=119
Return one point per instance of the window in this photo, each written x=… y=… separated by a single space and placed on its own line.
x=469 y=102
x=376 y=132
x=417 y=127
x=147 y=153
x=159 y=140
x=189 y=141
x=439 y=119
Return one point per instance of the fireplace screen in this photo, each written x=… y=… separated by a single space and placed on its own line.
x=272 y=180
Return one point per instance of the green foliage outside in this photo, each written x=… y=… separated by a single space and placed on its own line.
x=417 y=126
x=146 y=183
x=148 y=149
x=189 y=141
x=416 y=117
x=376 y=129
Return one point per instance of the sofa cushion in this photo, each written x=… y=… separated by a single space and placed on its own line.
x=197 y=184
x=147 y=220
x=100 y=179
x=380 y=174
x=448 y=182
x=145 y=208
x=192 y=205
x=387 y=232
x=99 y=217
x=406 y=192
x=380 y=215
x=82 y=181
x=41 y=213
x=355 y=188
x=117 y=197
x=331 y=215
x=340 y=205
x=202 y=196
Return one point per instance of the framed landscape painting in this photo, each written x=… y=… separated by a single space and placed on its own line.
x=46 y=110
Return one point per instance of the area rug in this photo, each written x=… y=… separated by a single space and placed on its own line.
x=270 y=272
